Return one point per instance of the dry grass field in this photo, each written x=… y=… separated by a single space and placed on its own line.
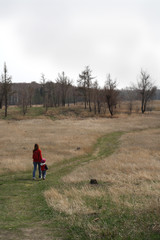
x=132 y=171
x=59 y=139
x=128 y=178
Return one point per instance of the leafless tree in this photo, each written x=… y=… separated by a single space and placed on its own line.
x=49 y=94
x=64 y=84
x=1 y=95
x=69 y=94
x=44 y=92
x=30 y=94
x=57 y=95
x=6 y=87
x=95 y=95
x=111 y=94
x=145 y=89
x=24 y=97
x=98 y=97
x=74 y=94
x=130 y=97
x=85 y=84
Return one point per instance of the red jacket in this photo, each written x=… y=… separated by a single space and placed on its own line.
x=37 y=156
x=43 y=164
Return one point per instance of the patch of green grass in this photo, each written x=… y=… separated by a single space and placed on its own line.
x=35 y=111
x=16 y=113
x=113 y=222
x=108 y=144
x=12 y=113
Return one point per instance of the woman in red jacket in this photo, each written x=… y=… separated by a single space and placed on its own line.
x=37 y=158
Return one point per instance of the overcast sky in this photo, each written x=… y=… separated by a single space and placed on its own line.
x=50 y=36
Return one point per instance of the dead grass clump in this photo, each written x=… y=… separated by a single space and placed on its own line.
x=72 y=200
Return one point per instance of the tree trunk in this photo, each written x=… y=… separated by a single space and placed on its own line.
x=95 y=109
x=99 y=107
x=6 y=105
x=110 y=109
x=90 y=109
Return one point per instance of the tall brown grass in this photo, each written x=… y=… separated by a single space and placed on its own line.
x=72 y=200
x=131 y=173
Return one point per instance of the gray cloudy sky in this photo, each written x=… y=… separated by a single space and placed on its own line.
x=50 y=36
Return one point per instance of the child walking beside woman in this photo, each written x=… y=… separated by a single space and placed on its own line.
x=43 y=168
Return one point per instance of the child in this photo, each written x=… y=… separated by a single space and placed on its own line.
x=43 y=168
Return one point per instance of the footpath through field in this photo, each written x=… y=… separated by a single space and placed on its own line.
x=23 y=209
x=24 y=213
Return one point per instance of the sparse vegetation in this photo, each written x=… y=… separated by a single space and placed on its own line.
x=76 y=111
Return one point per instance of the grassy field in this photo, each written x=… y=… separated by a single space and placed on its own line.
x=122 y=153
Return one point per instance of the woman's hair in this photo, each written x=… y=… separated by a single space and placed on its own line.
x=36 y=147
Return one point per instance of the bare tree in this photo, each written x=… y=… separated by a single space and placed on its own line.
x=6 y=87
x=100 y=100
x=145 y=89
x=69 y=94
x=1 y=95
x=24 y=97
x=97 y=97
x=130 y=97
x=30 y=94
x=111 y=94
x=49 y=94
x=74 y=94
x=64 y=84
x=82 y=87
x=85 y=84
x=44 y=92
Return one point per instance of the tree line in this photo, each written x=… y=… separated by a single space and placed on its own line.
x=62 y=92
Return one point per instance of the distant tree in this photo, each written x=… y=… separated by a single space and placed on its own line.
x=57 y=94
x=96 y=96
x=85 y=84
x=24 y=97
x=51 y=93
x=74 y=94
x=1 y=95
x=30 y=93
x=145 y=89
x=130 y=97
x=6 y=87
x=43 y=89
x=64 y=84
x=69 y=94
x=82 y=87
x=44 y=92
x=35 y=93
x=111 y=94
x=37 y=97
